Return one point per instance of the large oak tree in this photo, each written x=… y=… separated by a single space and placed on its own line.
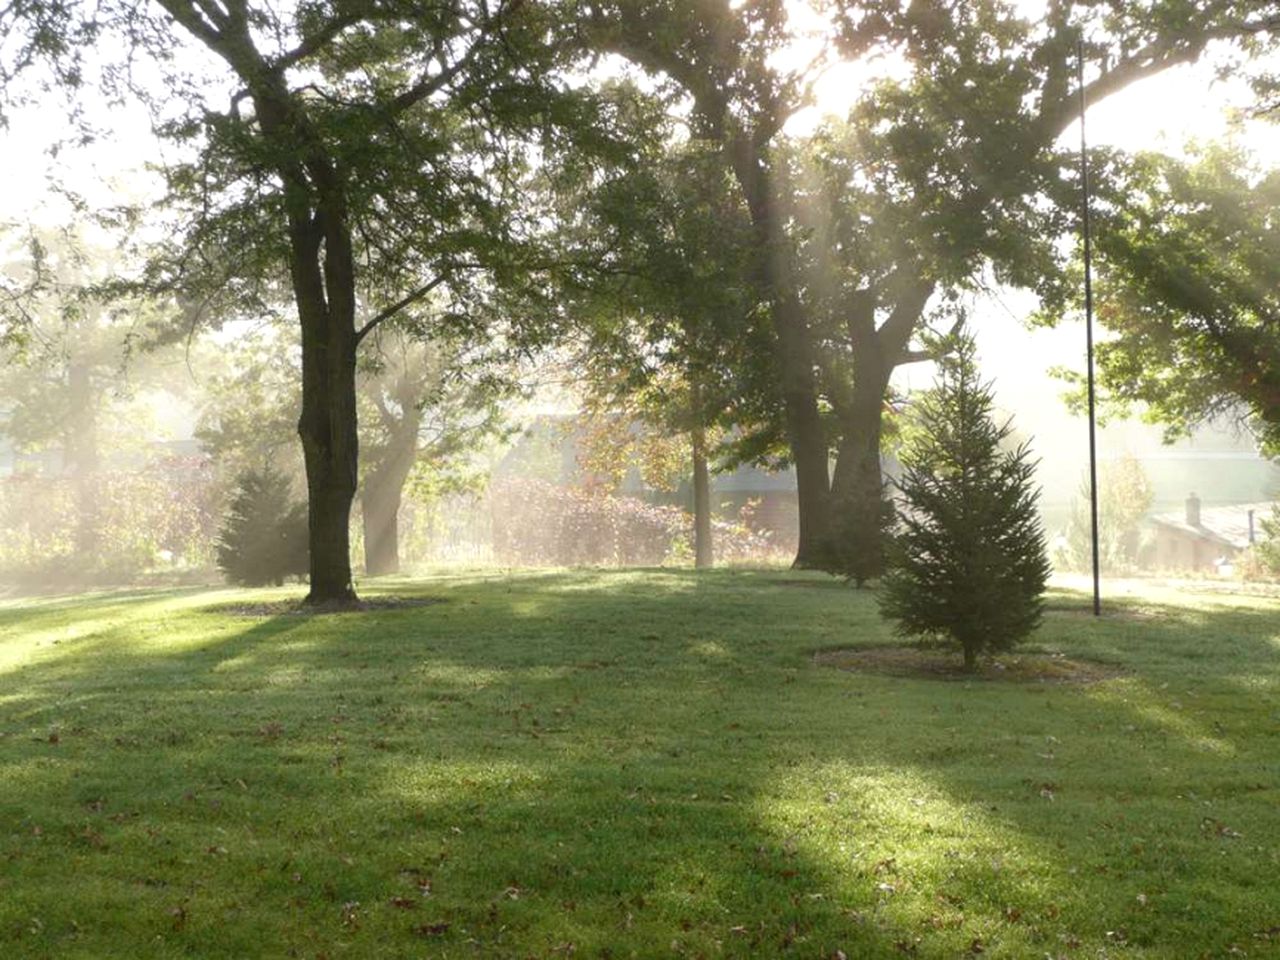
x=357 y=154
x=965 y=139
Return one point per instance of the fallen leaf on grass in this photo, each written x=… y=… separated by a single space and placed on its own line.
x=1218 y=828
x=430 y=929
x=351 y=915
x=93 y=838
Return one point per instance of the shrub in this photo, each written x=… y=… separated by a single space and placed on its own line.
x=968 y=565
x=1262 y=560
x=540 y=523
x=1124 y=497
x=264 y=537
x=160 y=517
x=535 y=522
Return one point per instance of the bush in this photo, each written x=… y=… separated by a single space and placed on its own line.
x=968 y=565
x=159 y=518
x=1124 y=497
x=539 y=523
x=1262 y=560
x=264 y=537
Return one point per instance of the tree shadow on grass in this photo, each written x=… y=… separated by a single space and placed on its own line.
x=649 y=764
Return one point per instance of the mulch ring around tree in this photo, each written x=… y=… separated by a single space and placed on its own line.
x=932 y=664
x=297 y=608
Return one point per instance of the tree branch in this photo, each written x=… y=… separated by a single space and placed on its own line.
x=895 y=333
x=405 y=301
x=430 y=83
x=313 y=44
x=1058 y=112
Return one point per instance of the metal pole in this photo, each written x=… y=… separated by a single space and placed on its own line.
x=1088 y=328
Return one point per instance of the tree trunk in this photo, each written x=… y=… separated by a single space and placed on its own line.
x=379 y=510
x=808 y=444
x=322 y=274
x=857 y=486
x=703 y=551
x=805 y=434
x=326 y=310
x=857 y=470
x=330 y=450
x=382 y=493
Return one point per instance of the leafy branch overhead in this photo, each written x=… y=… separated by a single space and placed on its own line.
x=1190 y=264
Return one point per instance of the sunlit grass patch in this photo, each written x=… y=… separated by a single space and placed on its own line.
x=597 y=763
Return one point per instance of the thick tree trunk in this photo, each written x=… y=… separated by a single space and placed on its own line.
x=796 y=373
x=858 y=506
x=325 y=297
x=379 y=509
x=808 y=444
x=381 y=496
x=703 y=549
x=330 y=451
x=857 y=486
x=857 y=469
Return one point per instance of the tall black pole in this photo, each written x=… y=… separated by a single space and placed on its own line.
x=1088 y=332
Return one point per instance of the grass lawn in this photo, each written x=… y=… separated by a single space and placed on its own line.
x=619 y=764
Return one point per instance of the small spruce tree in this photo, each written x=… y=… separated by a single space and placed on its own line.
x=968 y=565
x=264 y=536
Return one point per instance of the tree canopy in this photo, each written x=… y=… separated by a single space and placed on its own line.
x=1189 y=262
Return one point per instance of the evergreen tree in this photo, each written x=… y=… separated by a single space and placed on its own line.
x=264 y=537
x=969 y=563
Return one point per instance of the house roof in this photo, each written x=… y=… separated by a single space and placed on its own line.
x=1228 y=525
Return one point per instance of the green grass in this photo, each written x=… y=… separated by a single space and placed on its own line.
x=618 y=764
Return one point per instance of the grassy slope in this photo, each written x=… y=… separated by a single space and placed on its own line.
x=626 y=764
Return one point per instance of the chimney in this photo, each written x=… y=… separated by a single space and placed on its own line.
x=1193 y=511
x=1252 y=536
